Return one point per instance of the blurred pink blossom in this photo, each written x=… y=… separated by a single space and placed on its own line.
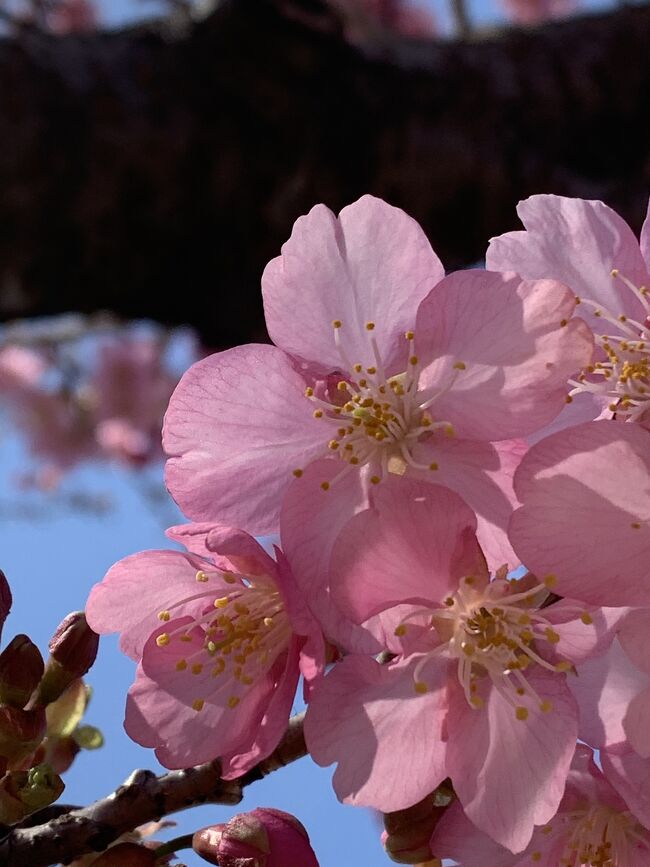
x=537 y=11
x=74 y=16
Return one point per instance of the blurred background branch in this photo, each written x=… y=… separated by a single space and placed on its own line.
x=152 y=172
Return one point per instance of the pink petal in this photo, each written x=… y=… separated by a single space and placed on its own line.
x=237 y=427
x=273 y=724
x=509 y=774
x=182 y=736
x=630 y=776
x=577 y=242
x=137 y=588
x=482 y=474
x=634 y=636
x=192 y=536
x=241 y=553
x=367 y=717
x=604 y=688
x=310 y=522
x=457 y=838
x=414 y=545
x=516 y=352
x=599 y=520
x=636 y=723
x=373 y=263
x=580 y=641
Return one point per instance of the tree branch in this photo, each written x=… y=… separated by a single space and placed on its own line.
x=142 y=798
x=155 y=176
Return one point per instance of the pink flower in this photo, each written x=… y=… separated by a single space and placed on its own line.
x=585 y=514
x=20 y=368
x=131 y=388
x=594 y=825
x=265 y=837
x=221 y=640
x=590 y=248
x=366 y=21
x=538 y=11
x=478 y=690
x=614 y=691
x=74 y=16
x=376 y=372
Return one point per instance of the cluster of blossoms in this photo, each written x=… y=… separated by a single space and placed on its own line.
x=67 y=415
x=456 y=470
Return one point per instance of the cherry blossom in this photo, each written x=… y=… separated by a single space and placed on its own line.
x=220 y=642
x=585 y=513
x=478 y=691
x=380 y=364
x=589 y=247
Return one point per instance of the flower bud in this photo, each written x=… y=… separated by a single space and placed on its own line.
x=73 y=650
x=5 y=599
x=126 y=855
x=21 y=668
x=408 y=832
x=21 y=732
x=24 y=792
x=265 y=837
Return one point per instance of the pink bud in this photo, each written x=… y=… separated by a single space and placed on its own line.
x=5 y=599
x=265 y=837
x=73 y=650
x=21 y=668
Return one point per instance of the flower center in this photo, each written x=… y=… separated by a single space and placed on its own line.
x=623 y=372
x=376 y=418
x=603 y=837
x=493 y=631
x=241 y=636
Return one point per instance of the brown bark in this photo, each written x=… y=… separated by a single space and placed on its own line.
x=154 y=174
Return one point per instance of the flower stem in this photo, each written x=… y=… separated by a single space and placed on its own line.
x=184 y=842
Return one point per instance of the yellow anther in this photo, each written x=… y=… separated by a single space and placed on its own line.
x=460 y=365
x=477 y=701
x=201 y=577
x=268 y=621
x=614 y=272
x=186 y=638
x=568 y=399
x=164 y=615
x=413 y=360
x=358 y=368
x=524 y=620
x=198 y=704
x=240 y=608
x=586 y=618
x=371 y=370
x=222 y=602
x=197 y=668
x=520 y=690
x=546 y=706
x=449 y=602
x=163 y=639
x=309 y=391
x=400 y=630
x=333 y=445
x=297 y=473
x=521 y=713
x=342 y=385
x=635 y=525
x=229 y=578
x=211 y=647
x=336 y=323
x=410 y=335
x=370 y=326
x=318 y=413
x=564 y=666
x=551 y=635
x=325 y=486
x=536 y=856
x=354 y=460
x=420 y=687
x=375 y=480
x=564 y=323
x=181 y=665
x=468 y=649
x=233 y=701
x=469 y=580
x=550 y=581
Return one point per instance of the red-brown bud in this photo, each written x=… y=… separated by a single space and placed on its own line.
x=73 y=649
x=265 y=837
x=408 y=832
x=21 y=732
x=126 y=855
x=21 y=669
x=5 y=599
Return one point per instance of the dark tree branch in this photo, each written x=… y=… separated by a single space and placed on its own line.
x=154 y=176
x=142 y=798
